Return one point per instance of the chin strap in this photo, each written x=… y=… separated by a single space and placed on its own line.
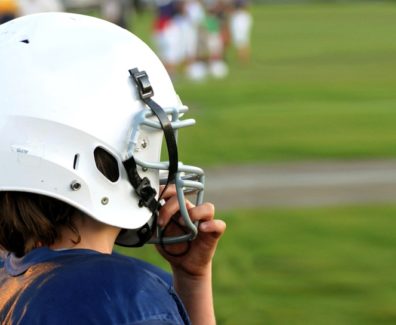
x=142 y=186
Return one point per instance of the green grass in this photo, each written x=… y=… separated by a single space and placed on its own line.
x=320 y=86
x=312 y=266
x=306 y=266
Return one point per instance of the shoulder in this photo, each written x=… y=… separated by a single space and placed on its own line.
x=114 y=269
x=113 y=273
x=106 y=289
x=147 y=267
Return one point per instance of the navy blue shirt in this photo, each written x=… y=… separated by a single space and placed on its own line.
x=85 y=287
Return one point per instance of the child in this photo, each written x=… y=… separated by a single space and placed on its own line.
x=240 y=27
x=83 y=109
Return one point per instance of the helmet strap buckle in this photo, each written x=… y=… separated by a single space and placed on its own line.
x=142 y=81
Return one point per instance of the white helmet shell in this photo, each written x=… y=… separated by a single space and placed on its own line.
x=65 y=91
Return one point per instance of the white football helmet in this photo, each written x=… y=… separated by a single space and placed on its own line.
x=73 y=84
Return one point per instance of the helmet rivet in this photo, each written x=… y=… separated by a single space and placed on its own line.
x=145 y=169
x=75 y=185
x=144 y=143
x=105 y=200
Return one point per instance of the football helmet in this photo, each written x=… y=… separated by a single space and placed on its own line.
x=73 y=84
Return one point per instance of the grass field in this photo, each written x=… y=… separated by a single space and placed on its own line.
x=321 y=85
x=311 y=266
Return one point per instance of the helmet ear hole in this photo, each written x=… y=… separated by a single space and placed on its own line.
x=107 y=164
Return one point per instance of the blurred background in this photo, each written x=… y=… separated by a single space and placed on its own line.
x=295 y=105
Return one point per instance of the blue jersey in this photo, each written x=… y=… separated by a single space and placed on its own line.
x=81 y=286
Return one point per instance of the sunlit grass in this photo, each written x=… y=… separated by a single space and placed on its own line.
x=320 y=85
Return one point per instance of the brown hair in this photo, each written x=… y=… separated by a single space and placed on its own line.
x=27 y=220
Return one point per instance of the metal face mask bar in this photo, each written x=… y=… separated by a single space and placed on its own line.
x=187 y=179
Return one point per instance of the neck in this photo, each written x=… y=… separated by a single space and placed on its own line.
x=91 y=234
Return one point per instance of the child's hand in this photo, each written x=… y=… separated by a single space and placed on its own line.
x=197 y=261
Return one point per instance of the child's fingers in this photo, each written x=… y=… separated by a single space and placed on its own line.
x=169 y=209
x=169 y=192
x=203 y=212
x=215 y=227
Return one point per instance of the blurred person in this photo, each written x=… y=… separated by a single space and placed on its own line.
x=240 y=27
x=195 y=17
x=116 y=11
x=222 y=8
x=166 y=34
x=84 y=175
x=214 y=44
x=183 y=42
